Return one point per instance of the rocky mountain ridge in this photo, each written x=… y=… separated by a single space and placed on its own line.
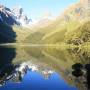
x=13 y=16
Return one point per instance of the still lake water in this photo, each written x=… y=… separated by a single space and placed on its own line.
x=44 y=68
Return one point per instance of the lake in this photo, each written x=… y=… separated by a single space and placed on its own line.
x=44 y=68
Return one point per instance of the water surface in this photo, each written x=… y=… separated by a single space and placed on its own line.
x=44 y=68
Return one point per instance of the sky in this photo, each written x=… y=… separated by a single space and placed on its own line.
x=36 y=81
x=36 y=9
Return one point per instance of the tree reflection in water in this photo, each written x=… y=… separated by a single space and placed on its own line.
x=82 y=74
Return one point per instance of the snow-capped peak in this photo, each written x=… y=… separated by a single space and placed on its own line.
x=14 y=16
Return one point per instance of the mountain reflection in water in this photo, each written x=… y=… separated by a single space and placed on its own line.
x=42 y=68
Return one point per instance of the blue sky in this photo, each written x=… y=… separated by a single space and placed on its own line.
x=38 y=8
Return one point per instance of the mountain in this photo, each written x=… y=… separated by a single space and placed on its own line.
x=59 y=29
x=12 y=34
x=7 y=34
x=42 y=22
x=47 y=31
x=13 y=16
x=11 y=29
x=79 y=11
x=6 y=16
x=80 y=35
x=20 y=17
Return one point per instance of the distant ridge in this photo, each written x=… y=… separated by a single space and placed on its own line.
x=79 y=11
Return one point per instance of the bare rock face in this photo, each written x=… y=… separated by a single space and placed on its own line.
x=17 y=11
x=15 y=16
x=79 y=11
x=6 y=16
x=20 y=16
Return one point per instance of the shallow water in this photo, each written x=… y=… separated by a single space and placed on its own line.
x=44 y=68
